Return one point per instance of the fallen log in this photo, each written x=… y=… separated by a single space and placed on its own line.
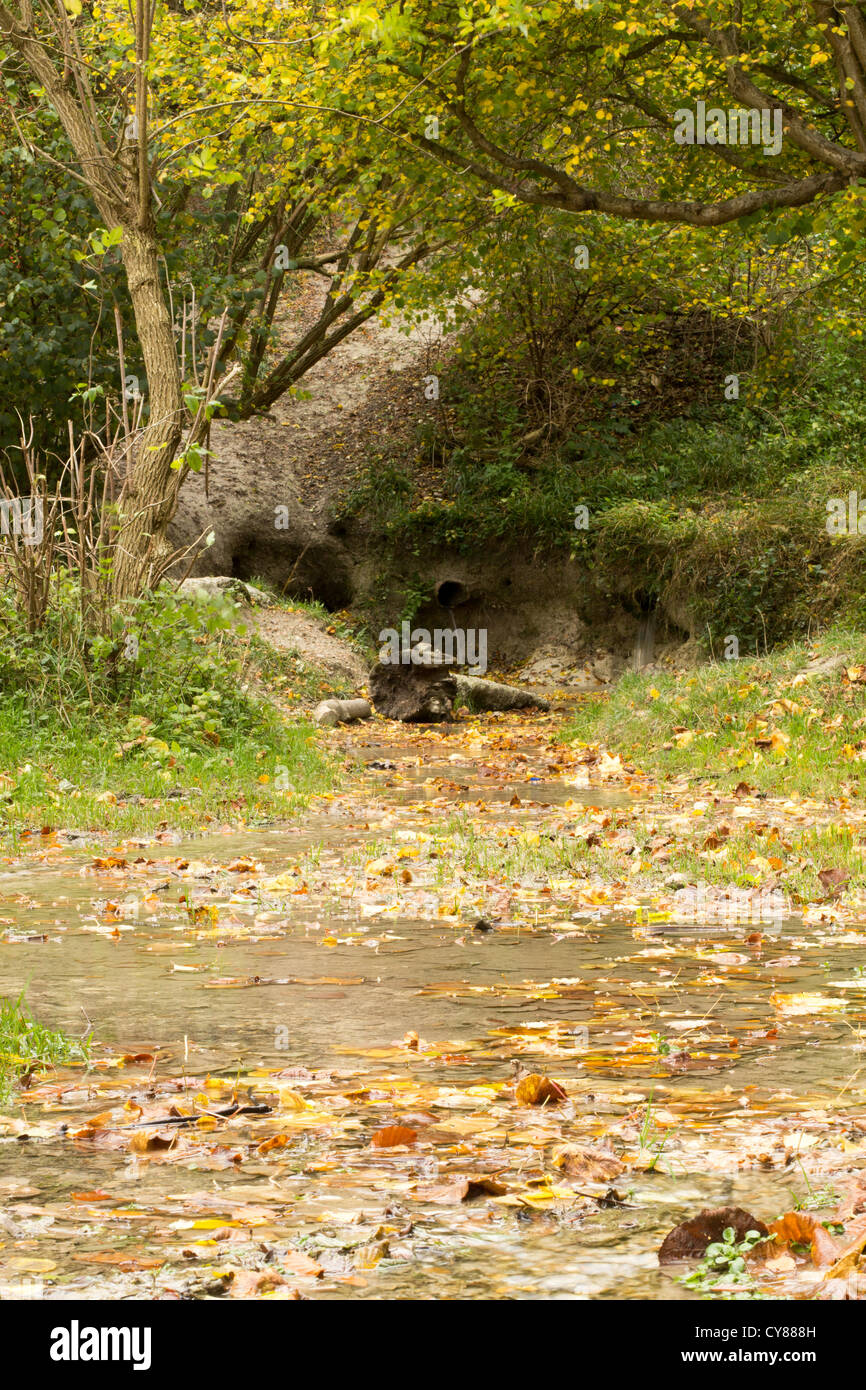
x=480 y=694
x=331 y=712
x=425 y=694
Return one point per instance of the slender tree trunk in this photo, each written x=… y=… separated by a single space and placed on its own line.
x=120 y=185
x=149 y=492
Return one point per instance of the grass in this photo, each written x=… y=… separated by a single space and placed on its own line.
x=804 y=852
x=82 y=779
x=763 y=722
x=514 y=853
x=752 y=862
x=184 y=736
x=27 y=1046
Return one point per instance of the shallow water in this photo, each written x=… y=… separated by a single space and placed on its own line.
x=313 y=984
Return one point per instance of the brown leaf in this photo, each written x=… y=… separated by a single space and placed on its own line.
x=149 y=1140
x=252 y=1283
x=586 y=1163
x=277 y=1141
x=123 y=1261
x=392 y=1136
x=854 y=1200
x=461 y=1190
x=833 y=879
x=535 y=1089
x=298 y=1263
x=800 y=1228
x=848 y=1258
x=690 y=1239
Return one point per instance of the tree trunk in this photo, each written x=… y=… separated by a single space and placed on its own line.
x=149 y=492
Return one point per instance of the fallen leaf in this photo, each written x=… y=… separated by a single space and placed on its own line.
x=585 y=1163
x=122 y=1261
x=833 y=879
x=149 y=1140
x=848 y=1257
x=538 y=1090
x=392 y=1136
x=460 y=1190
x=690 y=1239
x=801 y=1228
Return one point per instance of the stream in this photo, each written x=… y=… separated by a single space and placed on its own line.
x=348 y=1001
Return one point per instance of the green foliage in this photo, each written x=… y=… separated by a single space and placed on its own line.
x=166 y=700
x=169 y=663
x=717 y=508
x=724 y=1263
x=48 y=322
x=27 y=1046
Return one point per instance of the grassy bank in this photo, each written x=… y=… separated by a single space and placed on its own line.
x=791 y=722
x=160 y=719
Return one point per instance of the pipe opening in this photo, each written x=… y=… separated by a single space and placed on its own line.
x=451 y=592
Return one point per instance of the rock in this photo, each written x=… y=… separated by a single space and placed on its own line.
x=421 y=688
x=214 y=584
x=825 y=665
x=677 y=881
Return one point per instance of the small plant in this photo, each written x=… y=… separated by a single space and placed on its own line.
x=816 y=1197
x=724 y=1264
x=651 y=1136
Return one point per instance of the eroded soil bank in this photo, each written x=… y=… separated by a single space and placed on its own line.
x=316 y=1043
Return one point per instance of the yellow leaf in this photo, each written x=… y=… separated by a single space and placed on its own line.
x=292 y=1101
x=805 y=1003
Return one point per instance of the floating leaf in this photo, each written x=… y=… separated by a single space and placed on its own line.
x=392 y=1136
